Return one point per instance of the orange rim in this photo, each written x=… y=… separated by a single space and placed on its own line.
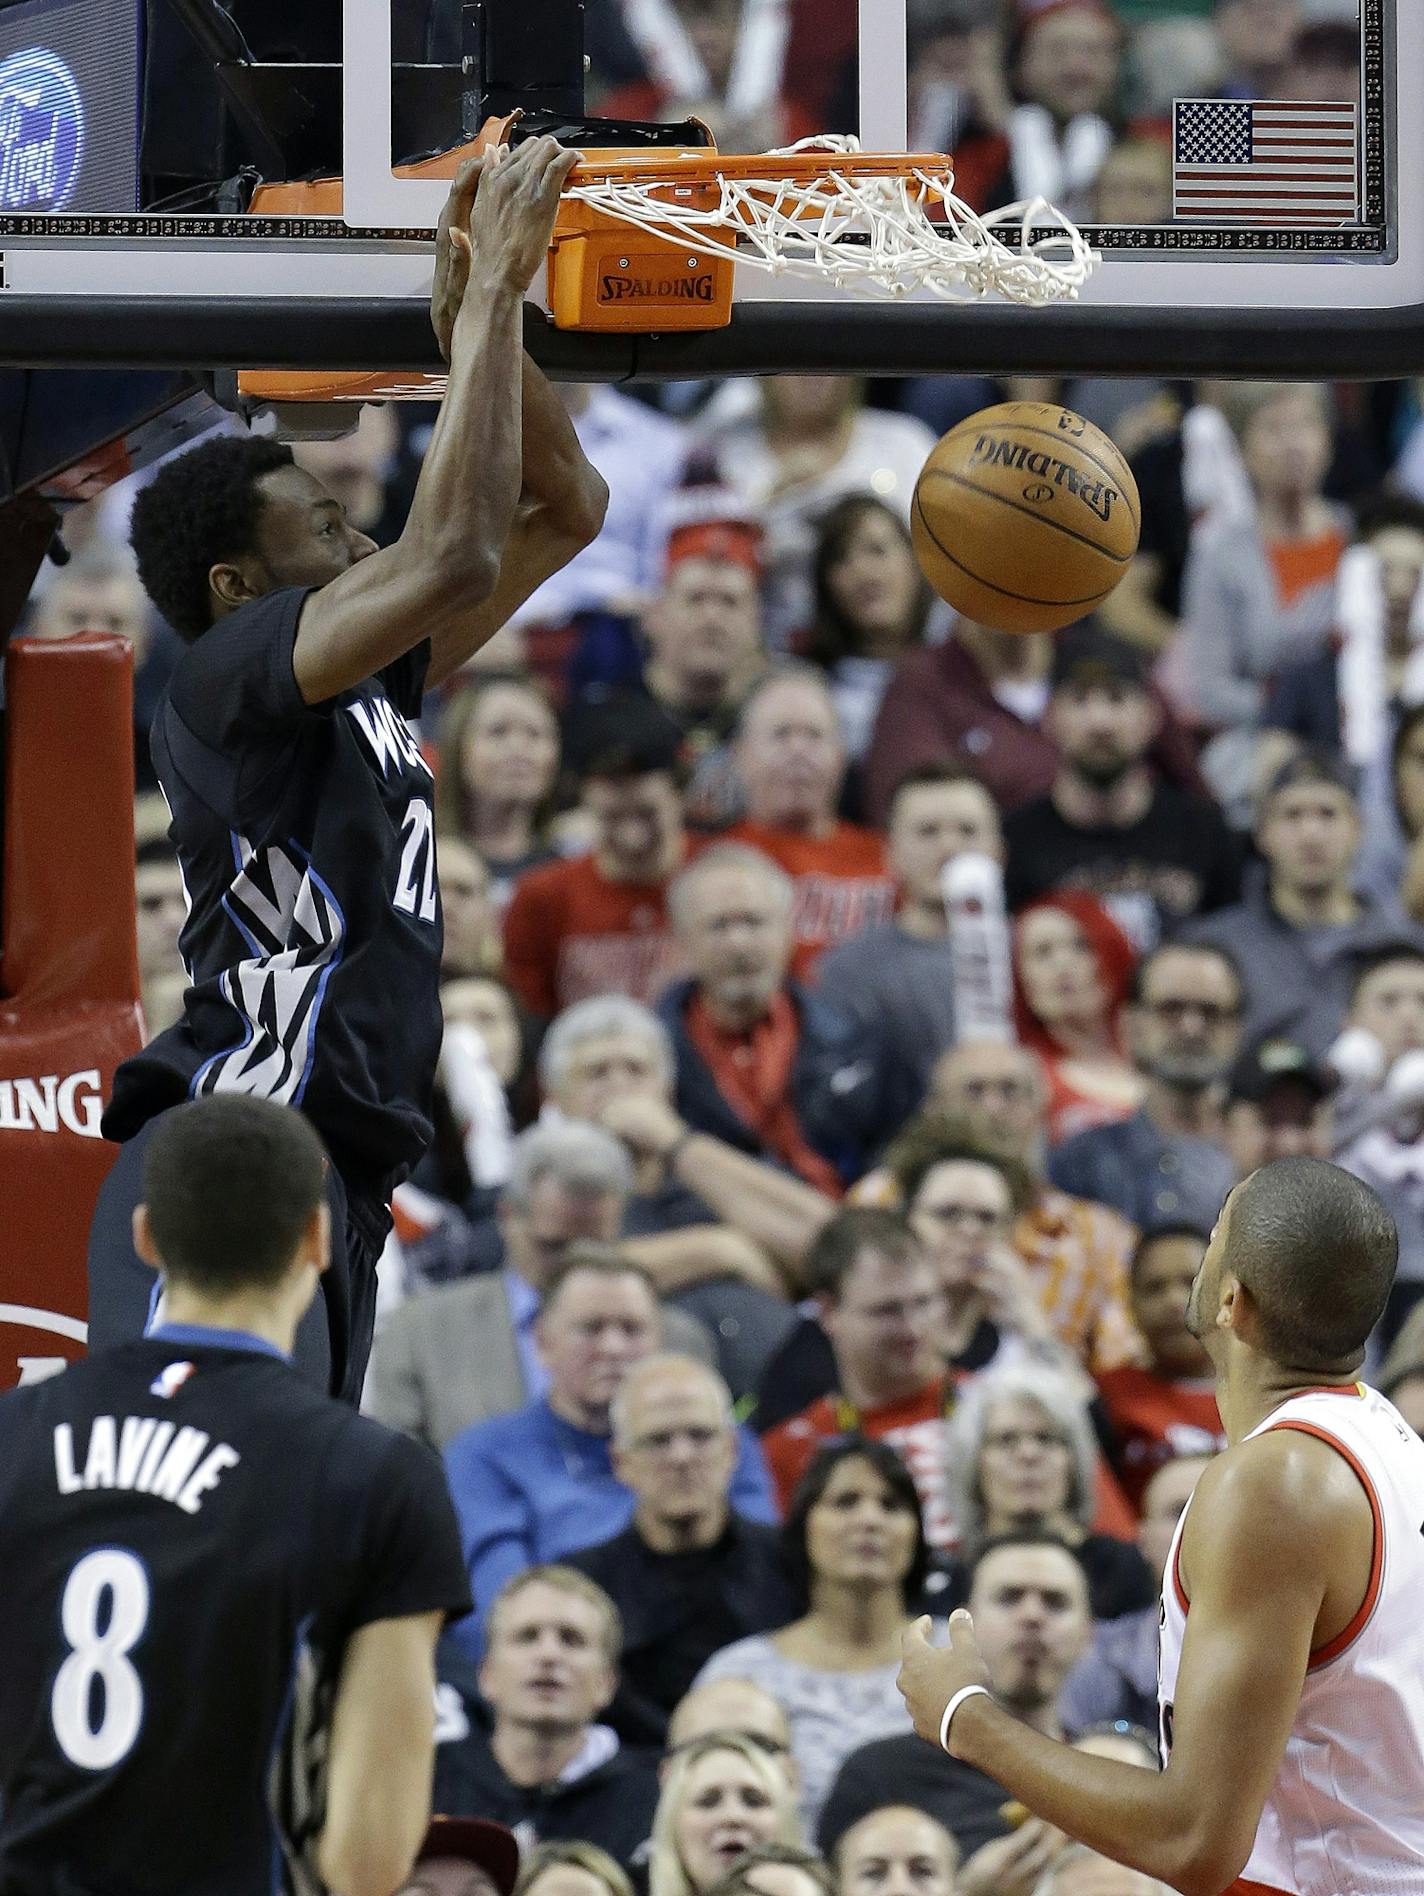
x=707 y=167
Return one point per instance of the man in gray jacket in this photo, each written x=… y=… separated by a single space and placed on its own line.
x=466 y=1351
x=1302 y=928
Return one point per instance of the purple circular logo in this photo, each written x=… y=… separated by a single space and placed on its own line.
x=41 y=131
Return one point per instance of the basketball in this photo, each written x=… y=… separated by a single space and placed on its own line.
x=1025 y=517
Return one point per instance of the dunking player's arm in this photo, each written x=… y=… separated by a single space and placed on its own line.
x=1275 y=1561
x=472 y=547
x=382 y=1756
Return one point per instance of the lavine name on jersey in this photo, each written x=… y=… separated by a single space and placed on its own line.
x=145 y=1456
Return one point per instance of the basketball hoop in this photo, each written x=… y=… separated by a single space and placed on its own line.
x=878 y=223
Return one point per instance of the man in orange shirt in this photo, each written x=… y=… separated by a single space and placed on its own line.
x=791 y=760
x=597 y=924
x=880 y=1303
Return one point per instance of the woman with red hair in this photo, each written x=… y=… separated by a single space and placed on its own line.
x=1072 y=970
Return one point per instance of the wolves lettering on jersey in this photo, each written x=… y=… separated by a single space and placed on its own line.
x=297 y=933
x=306 y=838
x=1346 y=1811
x=389 y=736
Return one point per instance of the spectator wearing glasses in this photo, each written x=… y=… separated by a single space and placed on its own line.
x=1166 y=1164
x=688 y=1575
x=1167 y=1408
x=536 y=1484
x=1022 y=1458
x=962 y=1200
x=855 y=1544
x=880 y=1305
x=1076 y=1251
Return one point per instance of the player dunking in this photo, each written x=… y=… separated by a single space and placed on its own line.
x=222 y=1590
x=1292 y=1646
x=301 y=804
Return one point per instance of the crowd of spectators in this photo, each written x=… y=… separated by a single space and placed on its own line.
x=790 y=1261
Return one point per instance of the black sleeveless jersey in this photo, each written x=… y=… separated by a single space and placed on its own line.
x=306 y=839
x=189 y=1535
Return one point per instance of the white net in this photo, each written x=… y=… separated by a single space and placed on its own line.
x=878 y=235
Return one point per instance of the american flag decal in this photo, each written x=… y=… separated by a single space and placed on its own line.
x=1249 y=161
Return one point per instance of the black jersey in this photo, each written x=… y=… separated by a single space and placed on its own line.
x=189 y=1534
x=306 y=838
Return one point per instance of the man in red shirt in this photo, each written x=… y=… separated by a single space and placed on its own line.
x=1169 y=1408
x=597 y=924
x=880 y=1303
x=791 y=760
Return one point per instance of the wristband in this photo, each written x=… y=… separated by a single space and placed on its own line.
x=964 y=1692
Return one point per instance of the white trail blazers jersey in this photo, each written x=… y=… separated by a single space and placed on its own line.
x=1345 y=1816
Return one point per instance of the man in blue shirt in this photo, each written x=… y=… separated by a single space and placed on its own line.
x=532 y=1486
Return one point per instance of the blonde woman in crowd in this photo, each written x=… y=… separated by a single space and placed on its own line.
x=720 y=1796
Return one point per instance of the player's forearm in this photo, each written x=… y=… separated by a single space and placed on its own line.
x=1141 y=1818
x=776 y=1210
x=464 y=502
x=557 y=472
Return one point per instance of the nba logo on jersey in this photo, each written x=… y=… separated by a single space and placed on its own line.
x=170 y=1380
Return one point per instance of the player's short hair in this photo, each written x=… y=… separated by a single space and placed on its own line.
x=846 y=1238
x=795 y=1856
x=201 y=507
x=563 y=1580
x=1317 y=1250
x=230 y=1184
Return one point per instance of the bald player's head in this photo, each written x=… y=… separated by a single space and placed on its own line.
x=1315 y=1250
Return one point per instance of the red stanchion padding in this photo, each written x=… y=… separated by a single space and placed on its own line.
x=69 y=989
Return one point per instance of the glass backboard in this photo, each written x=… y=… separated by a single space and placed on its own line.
x=1254 y=189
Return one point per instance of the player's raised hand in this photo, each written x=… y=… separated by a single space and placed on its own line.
x=452 y=251
x=514 y=211
x=931 y=1675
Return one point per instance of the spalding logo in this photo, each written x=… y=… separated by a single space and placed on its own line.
x=640 y=289
x=41 y=131
x=990 y=451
